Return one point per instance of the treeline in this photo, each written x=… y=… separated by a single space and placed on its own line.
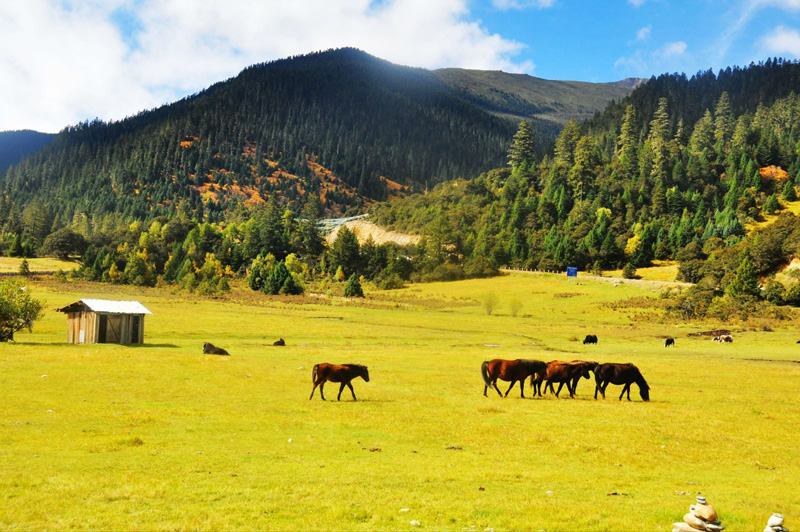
x=629 y=187
x=276 y=251
x=358 y=116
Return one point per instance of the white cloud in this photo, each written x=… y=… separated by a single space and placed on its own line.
x=505 y=5
x=636 y=3
x=670 y=56
x=672 y=49
x=644 y=33
x=61 y=62
x=782 y=40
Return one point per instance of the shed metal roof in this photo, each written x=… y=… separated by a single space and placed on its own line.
x=107 y=306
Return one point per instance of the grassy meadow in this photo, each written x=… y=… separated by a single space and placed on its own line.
x=163 y=437
x=38 y=264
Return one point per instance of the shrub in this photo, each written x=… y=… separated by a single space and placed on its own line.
x=489 y=302
x=515 y=305
x=24 y=268
x=18 y=309
x=391 y=282
x=629 y=272
x=60 y=276
x=353 y=287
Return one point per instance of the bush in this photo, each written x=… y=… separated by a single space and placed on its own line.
x=353 y=287
x=597 y=269
x=515 y=306
x=489 y=302
x=60 y=276
x=391 y=282
x=629 y=272
x=24 y=268
x=18 y=309
x=774 y=292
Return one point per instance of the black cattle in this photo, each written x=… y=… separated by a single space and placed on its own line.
x=590 y=339
x=210 y=349
x=279 y=342
x=670 y=342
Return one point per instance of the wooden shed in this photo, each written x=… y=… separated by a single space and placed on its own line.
x=100 y=321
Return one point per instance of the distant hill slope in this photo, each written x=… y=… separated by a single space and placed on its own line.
x=342 y=123
x=14 y=145
x=523 y=96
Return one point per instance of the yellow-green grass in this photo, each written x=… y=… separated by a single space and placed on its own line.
x=164 y=437
x=39 y=264
x=662 y=270
x=790 y=206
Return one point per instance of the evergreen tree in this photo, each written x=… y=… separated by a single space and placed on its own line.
x=522 y=150
x=353 y=287
x=744 y=282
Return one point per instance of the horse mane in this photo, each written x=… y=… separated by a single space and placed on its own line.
x=640 y=379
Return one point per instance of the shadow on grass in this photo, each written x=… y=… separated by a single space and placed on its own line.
x=65 y=344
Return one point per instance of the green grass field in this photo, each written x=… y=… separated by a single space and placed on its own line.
x=163 y=437
x=39 y=264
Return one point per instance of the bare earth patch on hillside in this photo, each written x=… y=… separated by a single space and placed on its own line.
x=364 y=230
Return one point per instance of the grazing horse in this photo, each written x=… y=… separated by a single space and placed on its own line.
x=670 y=342
x=343 y=373
x=510 y=370
x=590 y=339
x=624 y=374
x=279 y=343
x=210 y=349
x=568 y=373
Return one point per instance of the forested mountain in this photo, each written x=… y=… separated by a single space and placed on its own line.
x=14 y=145
x=341 y=124
x=523 y=97
x=676 y=170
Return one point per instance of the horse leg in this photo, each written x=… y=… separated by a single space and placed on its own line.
x=494 y=383
x=339 y=397
x=321 y=390
x=629 y=391
x=485 y=387
x=509 y=388
x=571 y=387
x=351 y=391
x=522 y=388
x=560 y=386
x=603 y=388
x=314 y=389
x=623 y=391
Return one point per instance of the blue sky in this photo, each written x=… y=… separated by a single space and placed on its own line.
x=63 y=61
x=607 y=40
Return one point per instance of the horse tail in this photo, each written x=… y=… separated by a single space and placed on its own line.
x=314 y=372
x=485 y=373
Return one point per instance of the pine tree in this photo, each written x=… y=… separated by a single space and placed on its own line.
x=627 y=144
x=788 y=192
x=723 y=123
x=659 y=138
x=566 y=143
x=744 y=282
x=353 y=287
x=521 y=152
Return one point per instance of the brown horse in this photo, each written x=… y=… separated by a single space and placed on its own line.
x=509 y=370
x=625 y=374
x=344 y=373
x=568 y=373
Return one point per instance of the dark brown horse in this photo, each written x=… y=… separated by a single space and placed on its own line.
x=344 y=373
x=568 y=373
x=620 y=374
x=510 y=370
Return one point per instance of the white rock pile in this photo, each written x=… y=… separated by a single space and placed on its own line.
x=701 y=516
x=775 y=524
